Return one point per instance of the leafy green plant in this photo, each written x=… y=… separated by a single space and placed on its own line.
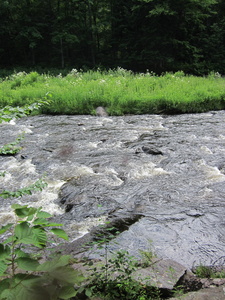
x=114 y=280
x=203 y=271
x=11 y=148
x=111 y=278
x=209 y=272
x=24 y=273
x=39 y=185
x=147 y=256
x=8 y=112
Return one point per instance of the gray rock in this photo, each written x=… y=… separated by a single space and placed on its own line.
x=161 y=273
x=217 y=293
x=101 y=112
x=151 y=150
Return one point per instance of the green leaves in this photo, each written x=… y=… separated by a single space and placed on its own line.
x=4 y=251
x=27 y=264
x=8 y=112
x=11 y=148
x=3 y=229
x=67 y=292
x=51 y=279
x=60 y=233
x=50 y=266
x=35 y=236
x=39 y=185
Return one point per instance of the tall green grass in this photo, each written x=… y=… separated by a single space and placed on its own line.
x=119 y=91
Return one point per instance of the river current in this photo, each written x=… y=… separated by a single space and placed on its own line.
x=165 y=173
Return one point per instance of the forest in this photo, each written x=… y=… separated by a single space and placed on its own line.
x=139 y=35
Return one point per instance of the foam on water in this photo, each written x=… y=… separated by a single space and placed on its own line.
x=79 y=229
x=25 y=129
x=206 y=150
x=109 y=177
x=93 y=145
x=20 y=174
x=212 y=174
x=145 y=170
x=74 y=170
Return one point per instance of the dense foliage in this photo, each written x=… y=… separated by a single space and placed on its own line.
x=157 y=35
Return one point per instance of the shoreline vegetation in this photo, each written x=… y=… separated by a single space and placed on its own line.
x=119 y=91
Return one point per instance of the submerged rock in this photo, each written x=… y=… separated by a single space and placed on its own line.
x=101 y=112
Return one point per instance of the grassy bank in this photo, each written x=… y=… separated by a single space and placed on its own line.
x=119 y=91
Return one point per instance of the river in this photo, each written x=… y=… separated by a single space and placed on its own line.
x=163 y=175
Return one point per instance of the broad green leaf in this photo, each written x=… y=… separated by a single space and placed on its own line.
x=10 y=239
x=27 y=264
x=60 y=233
x=43 y=214
x=3 y=268
x=67 y=292
x=40 y=236
x=55 y=263
x=88 y=292
x=3 y=229
x=5 y=251
x=45 y=223
x=19 y=292
x=4 y=284
x=40 y=221
x=66 y=274
x=20 y=253
x=7 y=294
x=5 y=194
x=53 y=224
x=27 y=279
x=15 y=206
x=23 y=230
x=30 y=235
x=25 y=211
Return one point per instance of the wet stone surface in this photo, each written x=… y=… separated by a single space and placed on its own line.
x=169 y=170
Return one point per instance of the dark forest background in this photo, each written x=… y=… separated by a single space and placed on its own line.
x=158 y=35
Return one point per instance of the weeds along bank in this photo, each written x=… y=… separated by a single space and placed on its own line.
x=119 y=91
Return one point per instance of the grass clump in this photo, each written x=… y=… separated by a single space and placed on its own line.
x=119 y=91
x=202 y=271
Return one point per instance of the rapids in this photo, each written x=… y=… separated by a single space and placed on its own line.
x=166 y=173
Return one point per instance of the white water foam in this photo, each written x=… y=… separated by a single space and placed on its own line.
x=110 y=177
x=145 y=170
x=79 y=229
x=21 y=174
x=206 y=150
x=211 y=173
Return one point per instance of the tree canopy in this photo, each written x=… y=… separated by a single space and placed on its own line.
x=158 y=35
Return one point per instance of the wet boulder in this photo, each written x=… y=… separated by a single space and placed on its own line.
x=101 y=112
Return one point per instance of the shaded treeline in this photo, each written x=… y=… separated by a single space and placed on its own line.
x=159 y=35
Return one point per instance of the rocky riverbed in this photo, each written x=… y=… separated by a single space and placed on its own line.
x=160 y=179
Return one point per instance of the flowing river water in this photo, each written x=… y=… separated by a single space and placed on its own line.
x=164 y=175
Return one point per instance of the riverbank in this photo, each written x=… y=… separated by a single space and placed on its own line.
x=120 y=91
